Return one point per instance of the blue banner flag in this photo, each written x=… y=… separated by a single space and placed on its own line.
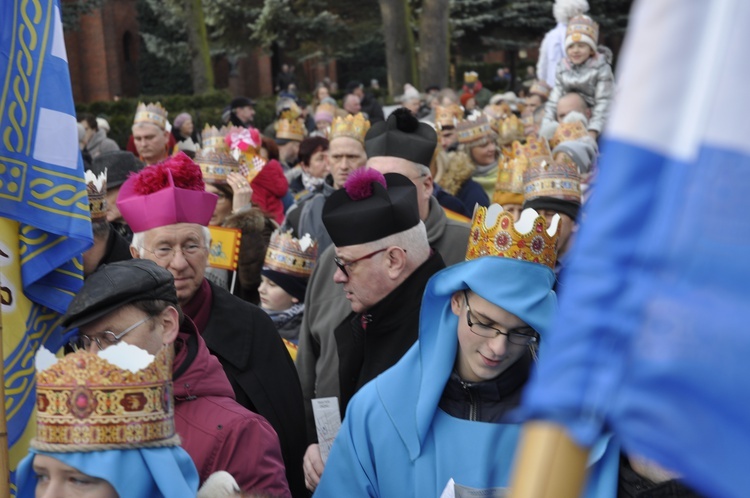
x=652 y=341
x=44 y=210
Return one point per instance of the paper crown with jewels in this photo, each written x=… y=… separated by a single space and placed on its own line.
x=547 y=178
x=582 y=29
x=568 y=131
x=470 y=131
x=151 y=113
x=494 y=233
x=216 y=165
x=448 y=116
x=213 y=138
x=352 y=126
x=291 y=256
x=510 y=129
x=289 y=126
x=509 y=183
x=471 y=77
x=121 y=398
x=96 y=187
x=541 y=88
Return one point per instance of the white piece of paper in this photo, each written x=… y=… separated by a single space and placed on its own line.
x=327 y=423
x=450 y=490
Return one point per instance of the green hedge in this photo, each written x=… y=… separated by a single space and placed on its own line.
x=204 y=109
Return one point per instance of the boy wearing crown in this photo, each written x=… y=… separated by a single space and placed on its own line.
x=440 y=417
x=286 y=269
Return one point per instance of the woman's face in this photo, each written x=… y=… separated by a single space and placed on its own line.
x=322 y=93
x=187 y=128
x=484 y=154
x=59 y=480
x=223 y=206
x=318 y=166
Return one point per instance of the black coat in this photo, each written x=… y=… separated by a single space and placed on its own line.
x=262 y=374
x=392 y=328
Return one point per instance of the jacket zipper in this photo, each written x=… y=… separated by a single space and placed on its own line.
x=472 y=402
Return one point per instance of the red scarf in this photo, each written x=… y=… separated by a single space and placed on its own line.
x=199 y=307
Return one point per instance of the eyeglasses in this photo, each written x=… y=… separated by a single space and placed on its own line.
x=108 y=338
x=342 y=266
x=167 y=252
x=520 y=336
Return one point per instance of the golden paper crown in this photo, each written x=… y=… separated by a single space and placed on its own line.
x=448 y=115
x=290 y=127
x=494 y=233
x=291 y=256
x=352 y=126
x=547 y=178
x=213 y=138
x=96 y=186
x=470 y=131
x=582 y=26
x=497 y=112
x=568 y=131
x=86 y=403
x=471 y=77
x=216 y=165
x=510 y=129
x=151 y=113
x=509 y=183
x=541 y=88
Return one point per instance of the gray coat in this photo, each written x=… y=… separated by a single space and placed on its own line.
x=99 y=144
x=593 y=80
x=326 y=307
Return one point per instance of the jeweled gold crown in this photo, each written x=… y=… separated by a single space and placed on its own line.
x=566 y=132
x=470 y=131
x=547 y=178
x=494 y=233
x=96 y=186
x=216 y=165
x=86 y=403
x=213 y=138
x=448 y=115
x=509 y=183
x=352 y=126
x=289 y=126
x=151 y=113
x=291 y=256
x=471 y=77
x=510 y=129
x=580 y=26
x=541 y=88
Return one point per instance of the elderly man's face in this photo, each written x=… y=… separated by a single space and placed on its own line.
x=365 y=281
x=569 y=103
x=181 y=249
x=147 y=335
x=344 y=156
x=150 y=142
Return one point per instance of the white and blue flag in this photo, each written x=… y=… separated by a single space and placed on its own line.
x=652 y=340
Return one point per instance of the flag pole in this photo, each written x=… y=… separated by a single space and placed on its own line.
x=549 y=463
x=4 y=454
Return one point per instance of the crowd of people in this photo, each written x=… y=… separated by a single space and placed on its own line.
x=405 y=264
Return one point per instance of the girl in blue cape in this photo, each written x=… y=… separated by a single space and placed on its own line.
x=444 y=412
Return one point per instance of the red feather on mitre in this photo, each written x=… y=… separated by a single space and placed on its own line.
x=184 y=172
